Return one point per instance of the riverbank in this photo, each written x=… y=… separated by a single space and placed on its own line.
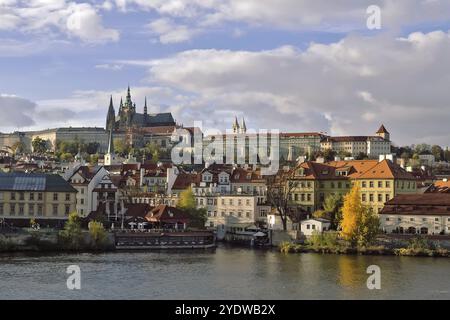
x=377 y=250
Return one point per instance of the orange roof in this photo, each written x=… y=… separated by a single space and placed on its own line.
x=382 y=129
x=356 y=169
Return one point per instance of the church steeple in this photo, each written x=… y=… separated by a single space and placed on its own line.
x=235 y=125
x=111 y=116
x=145 y=107
x=243 y=126
x=110 y=157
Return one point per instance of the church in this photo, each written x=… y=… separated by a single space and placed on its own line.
x=128 y=118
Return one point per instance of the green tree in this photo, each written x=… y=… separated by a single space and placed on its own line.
x=187 y=203
x=93 y=159
x=39 y=145
x=121 y=147
x=71 y=235
x=333 y=207
x=98 y=234
x=18 y=147
x=437 y=152
x=329 y=154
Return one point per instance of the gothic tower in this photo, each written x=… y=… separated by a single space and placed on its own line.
x=111 y=117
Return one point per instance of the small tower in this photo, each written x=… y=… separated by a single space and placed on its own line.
x=383 y=133
x=110 y=157
x=111 y=117
x=243 y=126
x=235 y=125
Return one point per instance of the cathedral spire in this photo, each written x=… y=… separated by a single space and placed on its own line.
x=235 y=125
x=111 y=116
x=243 y=126
x=145 y=107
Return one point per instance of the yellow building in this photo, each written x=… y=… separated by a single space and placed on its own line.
x=379 y=182
x=46 y=198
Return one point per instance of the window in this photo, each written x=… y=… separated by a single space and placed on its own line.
x=231 y=202
x=13 y=209
x=308 y=226
x=387 y=219
x=380 y=184
x=67 y=209
x=1 y=195
x=363 y=197
x=55 y=209
x=31 y=209
x=82 y=201
x=1 y=209
x=371 y=184
x=40 y=196
x=386 y=197
x=247 y=202
x=40 y=211
x=313 y=226
x=13 y=196
x=371 y=197
x=436 y=219
x=388 y=184
x=55 y=197
x=247 y=214
x=21 y=210
x=308 y=196
x=21 y=196
x=82 y=191
x=364 y=184
x=31 y=196
x=239 y=202
x=339 y=185
x=67 y=196
x=380 y=198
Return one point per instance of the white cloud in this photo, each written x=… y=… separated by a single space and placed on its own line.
x=75 y=19
x=16 y=112
x=347 y=87
x=170 y=32
x=112 y=67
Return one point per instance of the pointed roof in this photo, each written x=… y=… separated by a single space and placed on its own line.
x=243 y=126
x=145 y=106
x=235 y=123
x=382 y=129
x=111 y=105
x=111 y=143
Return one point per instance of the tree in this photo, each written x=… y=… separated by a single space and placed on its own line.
x=39 y=145
x=279 y=190
x=333 y=208
x=121 y=147
x=18 y=147
x=187 y=200
x=187 y=203
x=359 y=224
x=98 y=233
x=361 y=156
x=329 y=154
x=71 y=235
x=437 y=152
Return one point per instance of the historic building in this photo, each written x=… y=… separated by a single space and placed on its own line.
x=372 y=146
x=48 y=199
x=129 y=118
x=379 y=181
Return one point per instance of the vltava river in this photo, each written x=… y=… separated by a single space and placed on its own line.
x=227 y=273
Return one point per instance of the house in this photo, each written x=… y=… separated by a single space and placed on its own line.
x=427 y=213
x=167 y=217
x=48 y=199
x=379 y=181
x=95 y=187
x=309 y=226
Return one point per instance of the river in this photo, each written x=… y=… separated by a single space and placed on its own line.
x=226 y=273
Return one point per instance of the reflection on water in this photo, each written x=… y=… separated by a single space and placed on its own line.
x=227 y=273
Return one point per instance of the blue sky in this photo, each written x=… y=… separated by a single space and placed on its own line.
x=293 y=65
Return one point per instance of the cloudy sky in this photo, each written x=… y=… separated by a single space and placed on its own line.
x=293 y=65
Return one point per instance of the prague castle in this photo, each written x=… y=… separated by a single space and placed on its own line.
x=128 y=118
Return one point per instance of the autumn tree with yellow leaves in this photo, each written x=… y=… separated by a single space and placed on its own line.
x=359 y=224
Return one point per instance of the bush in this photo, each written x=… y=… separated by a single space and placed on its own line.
x=325 y=239
x=98 y=234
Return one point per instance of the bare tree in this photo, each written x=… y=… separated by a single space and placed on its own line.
x=279 y=190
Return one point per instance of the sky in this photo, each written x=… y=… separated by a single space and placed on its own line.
x=291 y=65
